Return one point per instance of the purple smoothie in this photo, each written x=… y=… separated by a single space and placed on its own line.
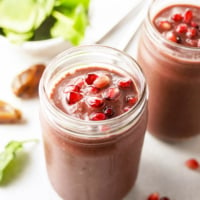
x=95 y=92
x=94 y=134
x=179 y=24
x=169 y=54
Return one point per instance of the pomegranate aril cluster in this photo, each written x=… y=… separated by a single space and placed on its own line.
x=100 y=95
x=182 y=26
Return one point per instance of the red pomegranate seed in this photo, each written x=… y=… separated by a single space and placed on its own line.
x=194 y=24
x=178 y=39
x=101 y=81
x=92 y=90
x=165 y=25
x=131 y=100
x=192 y=32
x=98 y=116
x=111 y=93
x=125 y=83
x=182 y=28
x=73 y=97
x=90 y=78
x=173 y=37
x=95 y=101
x=192 y=164
x=108 y=111
x=126 y=108
x=177 y=17
x=164 y=198
x=79 y=82
x=188 y=15
x=72 y=88
x=154 y=196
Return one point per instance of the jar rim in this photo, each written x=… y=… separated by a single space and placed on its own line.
x=60 y=115
x=159 y=36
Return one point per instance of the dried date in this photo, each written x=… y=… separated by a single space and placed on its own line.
x=25 y=85
x=9 y=114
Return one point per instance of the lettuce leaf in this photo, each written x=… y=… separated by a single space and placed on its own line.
x=72 y=3
x=24 y=15
x=28 y=19
x=70 y=26
x=15 y=37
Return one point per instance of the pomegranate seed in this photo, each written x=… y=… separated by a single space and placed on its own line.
x=192 y=32
x=126 y=108
x=92 y=90
x=95 y=101
x=72 y=88
x=125 y=83
x=192 y=164
x=181 y=28
x=165 y=25
x=177 y=17
x=73 y=97
x=79 y=82
x=178 y=39
x=131 y=100
x=90 y=78
x=98 y=116
x=194 y=24
x=171 y=36
x=154 y=196
x=108 y=111
x=164 y=198
x=188 y=15
x=111 y=93
x=102 y=81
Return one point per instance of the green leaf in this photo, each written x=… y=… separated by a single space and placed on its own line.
x=29 y=19
x=72 y=3
x=71 y=27
x=17 y=38
x=9 y=154
x=24 y=15
x=5 y=158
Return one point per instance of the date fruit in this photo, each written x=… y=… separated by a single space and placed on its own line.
x=9 y=114
x=25 y=85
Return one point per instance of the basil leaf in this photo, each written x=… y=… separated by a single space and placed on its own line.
x=9 y=154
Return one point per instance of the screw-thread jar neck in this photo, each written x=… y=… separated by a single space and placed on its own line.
x=86 y=56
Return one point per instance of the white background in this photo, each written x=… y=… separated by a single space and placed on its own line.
x=162 y=166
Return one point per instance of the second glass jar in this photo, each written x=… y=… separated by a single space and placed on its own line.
x=173 y=75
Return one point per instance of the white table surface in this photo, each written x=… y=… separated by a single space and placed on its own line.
x=162 y=166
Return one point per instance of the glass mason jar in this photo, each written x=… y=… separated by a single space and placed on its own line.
x=173 y=76
x=92 y=159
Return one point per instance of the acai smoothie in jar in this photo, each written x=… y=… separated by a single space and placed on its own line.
x=169 y=54
x=93 y=118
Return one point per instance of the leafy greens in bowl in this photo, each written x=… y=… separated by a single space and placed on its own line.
x=36 y=20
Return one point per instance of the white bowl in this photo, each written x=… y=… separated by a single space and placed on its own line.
x=46 y=48
x=98 y=27
x=42 y=49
